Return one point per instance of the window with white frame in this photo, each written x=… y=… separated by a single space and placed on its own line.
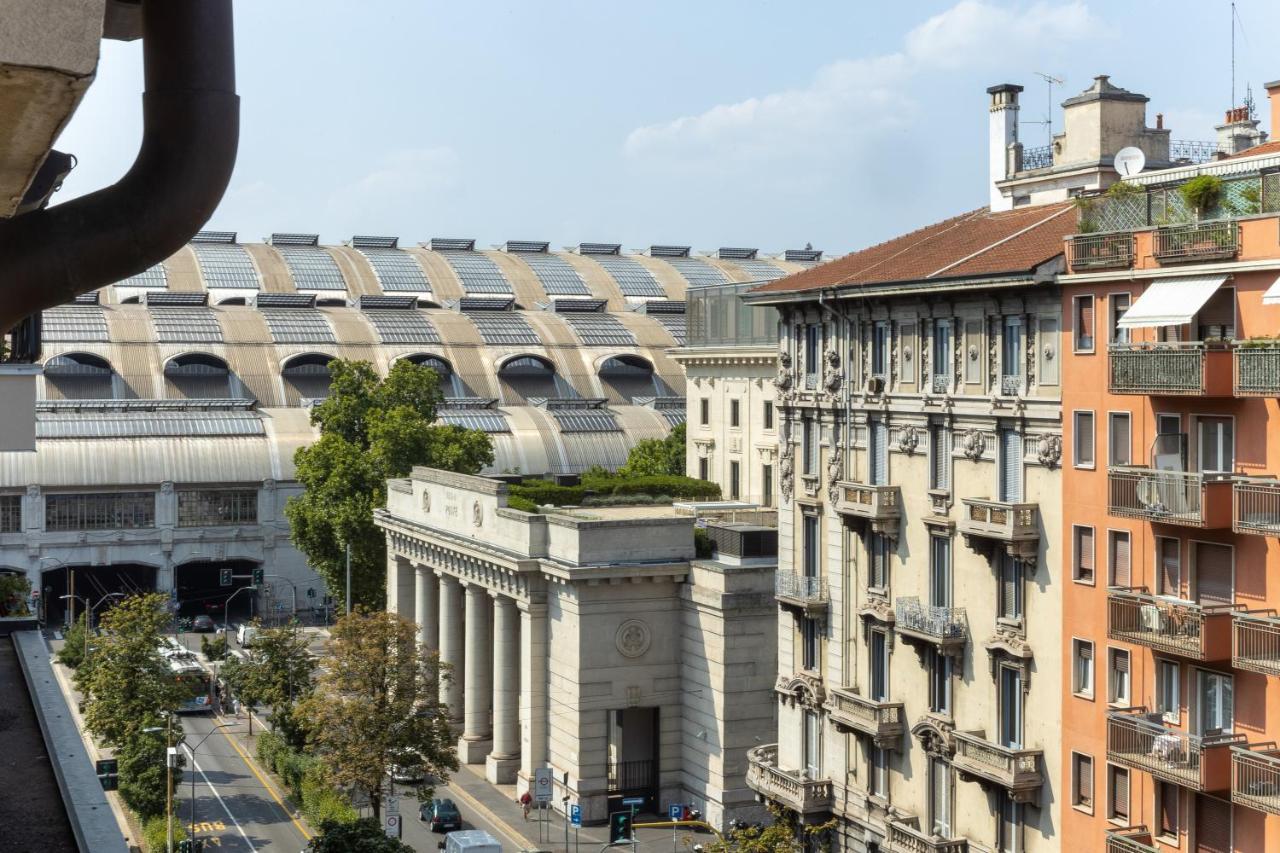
x=1119 y=305
x=1011 y=699
x=1082 y=668
x=1082 y=781
x=1118 y=678
x=1082 y=440
x=1082 y=323
x=1011 y=356
x=878 y=772
x=939 y=798
x=1082 y=553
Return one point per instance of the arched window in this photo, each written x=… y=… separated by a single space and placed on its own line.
x=525 y=376
x=198 y=375
x=306 y=377
x=451 y=385
x=233 y=300
x=79 y=376
x=630 y=376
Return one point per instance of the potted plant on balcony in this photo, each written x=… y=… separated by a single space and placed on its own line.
x=1201 y=194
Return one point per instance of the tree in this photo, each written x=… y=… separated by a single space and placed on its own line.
x=129 y=686
x=277 y=672
x=362 y=836
x=653 y=456
x=376 y=700
x=143 y=774
x=784 y=834
x=247 y=682
x=71 y=655
x=371 y=430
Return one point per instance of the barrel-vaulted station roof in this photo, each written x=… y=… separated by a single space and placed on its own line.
x=201 y=368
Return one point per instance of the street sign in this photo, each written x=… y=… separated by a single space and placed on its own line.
x=675 y=811
x=542 y=783
x=391 y=825
x=393 y=804
x=575 y=814
x=633 y=801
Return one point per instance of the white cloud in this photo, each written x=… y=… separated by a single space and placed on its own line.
x=852 y=104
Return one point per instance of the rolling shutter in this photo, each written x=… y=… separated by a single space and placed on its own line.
x=1170 y=567
x=1084 y=552
x=1084 y=780
x=1010 y=466
x=1120 y=574
x=940 y=454
x=879 y=453
x=1213 y=573
x=1011 y=588
x=1213 y=825
x=1120 y=790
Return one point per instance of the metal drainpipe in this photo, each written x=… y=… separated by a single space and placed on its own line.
x=191 y=129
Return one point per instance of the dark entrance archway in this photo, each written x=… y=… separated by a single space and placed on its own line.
x=200 y=589
x=91 y=583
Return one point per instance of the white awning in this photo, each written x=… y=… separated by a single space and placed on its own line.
x=1272 y=296
x=1171 y=301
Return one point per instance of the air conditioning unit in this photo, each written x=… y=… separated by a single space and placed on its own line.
x=875 y=385
x=744 y=541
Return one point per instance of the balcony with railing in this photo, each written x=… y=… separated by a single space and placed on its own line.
x=883 y=722
x=801 y=592
x=1197 y=631
x=1018 y=771
x=1256 y=506
x=946 y=628
x=1188 y=498
x=1190 y=368
x=1113 y=250
x=1201 y=241
x=1255 y=777
x=1255 y=641
x=1015 y=524
x=879 y=505
x=1138 y=740
x=1257 y=369
x=1131 y=839
x=904 y=837
x=787 y=787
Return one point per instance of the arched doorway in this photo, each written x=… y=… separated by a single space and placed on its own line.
x=91 y=584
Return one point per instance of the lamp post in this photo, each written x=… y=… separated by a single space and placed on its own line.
x=89 y=611
x=192 y=751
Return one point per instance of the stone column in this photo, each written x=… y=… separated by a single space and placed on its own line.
x=428 y=608
x=399 y=586
x=451 y=649
x=478 y=681
x=533 y=691
x=504 y=760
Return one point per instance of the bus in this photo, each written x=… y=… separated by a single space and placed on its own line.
x=195 y=680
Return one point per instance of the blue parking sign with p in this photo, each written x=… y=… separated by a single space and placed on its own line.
x=575 y=814
x=675 y=810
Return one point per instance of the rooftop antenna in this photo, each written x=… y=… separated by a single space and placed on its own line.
x=1048 y=117
x=1233 y=54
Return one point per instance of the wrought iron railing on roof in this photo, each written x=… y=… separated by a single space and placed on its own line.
x=1193 y=151
x=1040 y=157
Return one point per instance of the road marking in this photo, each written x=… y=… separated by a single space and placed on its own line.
x=199 y=770
x=270 y=790
x=513 y=835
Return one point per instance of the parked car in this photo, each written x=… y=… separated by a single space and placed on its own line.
x=203 y=624
x=407 y=768
x=440 y=815
x=246 y=634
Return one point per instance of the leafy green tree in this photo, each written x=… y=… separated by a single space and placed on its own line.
x=377 y=699
x=784 y=834
x=215 y=649
x=71 y=655
x=248 y=683
x=143 y=774
x=129 y=686
x=371 y=430
x=362 y=836
x=278 y=673
x=653 y=456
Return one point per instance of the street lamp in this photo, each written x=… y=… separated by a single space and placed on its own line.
x=192 y=750
x=89 y=610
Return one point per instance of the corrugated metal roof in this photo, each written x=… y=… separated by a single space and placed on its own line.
x=140 y=424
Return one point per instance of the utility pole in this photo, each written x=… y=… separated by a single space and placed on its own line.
x=348 y=578
x=168 y=788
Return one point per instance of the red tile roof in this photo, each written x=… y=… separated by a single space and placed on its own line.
x=1272 y=147
x=978 y=243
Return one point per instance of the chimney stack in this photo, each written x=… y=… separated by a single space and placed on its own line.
x=1273 y=96
x=1004 y=138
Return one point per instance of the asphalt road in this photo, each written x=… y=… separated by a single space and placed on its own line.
x=234 y=809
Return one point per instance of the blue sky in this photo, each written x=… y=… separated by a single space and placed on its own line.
x=707 y=123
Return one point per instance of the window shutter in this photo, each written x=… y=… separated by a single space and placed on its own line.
x=1122 y=662
x=1213 y=573
x=1170 y=566
x=879 y=453
x=939 y=439
x=1084 y=438
x=1011 y=466
x=1120 y=793
x=1084 y=780
x=1086 y=321
x=1085 y=651
x=1213 y=825
x=1120 y=559
x=1084 y=549
x=1011 y=580
x=1119 y=440
x=1168 y=808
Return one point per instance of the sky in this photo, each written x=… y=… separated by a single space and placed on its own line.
x=704 y=122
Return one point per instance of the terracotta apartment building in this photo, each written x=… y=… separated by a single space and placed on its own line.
x=1171 y=509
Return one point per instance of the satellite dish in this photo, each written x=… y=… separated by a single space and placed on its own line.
x=1130 y=161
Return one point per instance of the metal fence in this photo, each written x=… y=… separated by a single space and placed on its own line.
x=1202 y=241
x=1157 y=368
x=1170 y=626
x=1257 y=370
x=632 y=775
x=800 y=587
x=1255 y=643
x=948 y=623
x=1169 y=496
x=1100 y=251
x=1255 y=777
x=1256 y=506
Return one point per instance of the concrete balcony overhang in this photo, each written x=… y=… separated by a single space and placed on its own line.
x=944 y=628
x=1018 y=771
x=803 y=594
x=883 y=722
x=1186 y=628
x=1139 y=740
x=1014 y=526
x=878 y=506
x=788 y=788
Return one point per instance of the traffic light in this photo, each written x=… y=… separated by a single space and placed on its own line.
x=184 y=846
x=619 y=827
x=224 y=577
x=258 y=575
x=108 y=770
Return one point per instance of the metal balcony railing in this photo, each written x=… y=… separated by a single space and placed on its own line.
x=1131 y=839
x=1178 y=627
x=1257 y=370
x=1169 y=369
x=946 y=627
x=904 y=838
x=1038 y=157
x=1001 y=520
x=1101 y=251
x=1255 y=642
x=632 y=775
x=1255 y=777
x=1136 y=739
x=800 y=590
x=1173 y=497
x=1200 y=242
x=1016 y=770
x=1256 y=506
x=882 y=721
x=787 y=787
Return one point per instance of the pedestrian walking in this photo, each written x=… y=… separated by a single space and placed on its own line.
x=525 y=802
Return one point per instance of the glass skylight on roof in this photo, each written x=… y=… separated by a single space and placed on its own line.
x=633 y=279
x=696 y=271
x=675 y=417
x=83 y=324
x=486 y=420
x=312 y=267
x=225 y=265
x=600 y=330
x=504 y=328
x=144 y=424
x=298 y=326
x=760 y=270
x=186 y=325
x=675 y=324
x=478 y=273
x=403 y=327
x=557 y=276
x=396 y=270
x=153 y=277
x=585 y=420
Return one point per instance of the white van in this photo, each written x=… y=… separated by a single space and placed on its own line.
x=245 y=635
